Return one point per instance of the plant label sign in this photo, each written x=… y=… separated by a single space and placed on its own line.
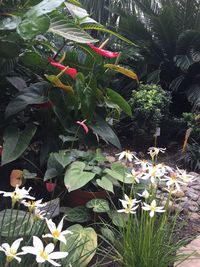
x=52 y=208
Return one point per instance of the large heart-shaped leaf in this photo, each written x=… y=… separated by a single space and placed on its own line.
x=33 y=26
x=34 y=94
x=33 y=60
x=63 y=157
x=16 y=142
x=81 y=246
x=70 y=31
x=119 y=100
x=76 y=177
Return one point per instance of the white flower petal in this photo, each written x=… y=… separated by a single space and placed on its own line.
x=15 y=245
x=49 y=248
x=37 y=243
x=58 y=255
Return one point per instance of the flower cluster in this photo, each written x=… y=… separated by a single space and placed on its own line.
x=42 y=253
x=152 y=173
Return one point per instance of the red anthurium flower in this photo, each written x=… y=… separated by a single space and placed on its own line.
x=50 y=186
x=70 y=71
x=82 y=124
x=103 y=52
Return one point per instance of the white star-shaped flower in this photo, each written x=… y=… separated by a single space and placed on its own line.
x=152 y=208
x=11 y=251
x=128 y=155
x=44 y=254
x=129 y=205
x=18 y=194
x=56 y=231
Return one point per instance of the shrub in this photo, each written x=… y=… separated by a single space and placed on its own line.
x=149 y=105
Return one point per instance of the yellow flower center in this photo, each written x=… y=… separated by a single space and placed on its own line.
x=56 y=233
x=44 y=255
x=174 y=176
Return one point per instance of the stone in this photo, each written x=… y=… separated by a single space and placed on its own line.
x=194 y=208
x=192 y=247
x=193 y=196
x=194 y=216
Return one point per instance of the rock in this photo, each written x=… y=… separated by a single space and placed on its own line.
x=192 y=195
x=194 y=208
x=192 y=247
x=196 y=187
x=194 y=216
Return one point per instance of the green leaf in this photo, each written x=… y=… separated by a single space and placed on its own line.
x=9 y=23
x=87 y=95
x=78 y=214
x=67 y=138
x=98 y=205
x=81 y=245
x=118 y=219
x=34 y=94
x=79 y=13
x=76 y=177
x=70 y=31
x=28 y=175
x=102 y=129
x=19 y=222
x=33 y=26
x=16 y=142
x=44 y=7
x=9 y=49
x=120 y=101
x=118 y=172
x=63 y=157
x=105 y=183
x=108 y=234
x=33 y=60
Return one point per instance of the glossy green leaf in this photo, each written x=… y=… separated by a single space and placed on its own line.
x=63 y=157
x=104 y=131
x=119 y=100
x=118 y=219
x=79 y=14
x=44 y=7
x=16 y=142
x=9 y=23
x=33 y=60
x=9 y=49
x=34 y=94
x=33 y=26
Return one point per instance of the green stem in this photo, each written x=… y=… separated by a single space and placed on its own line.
x=76 y=134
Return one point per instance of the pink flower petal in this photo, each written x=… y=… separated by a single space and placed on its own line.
x=82 y=124
x=70 y=71
x=103 y=52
